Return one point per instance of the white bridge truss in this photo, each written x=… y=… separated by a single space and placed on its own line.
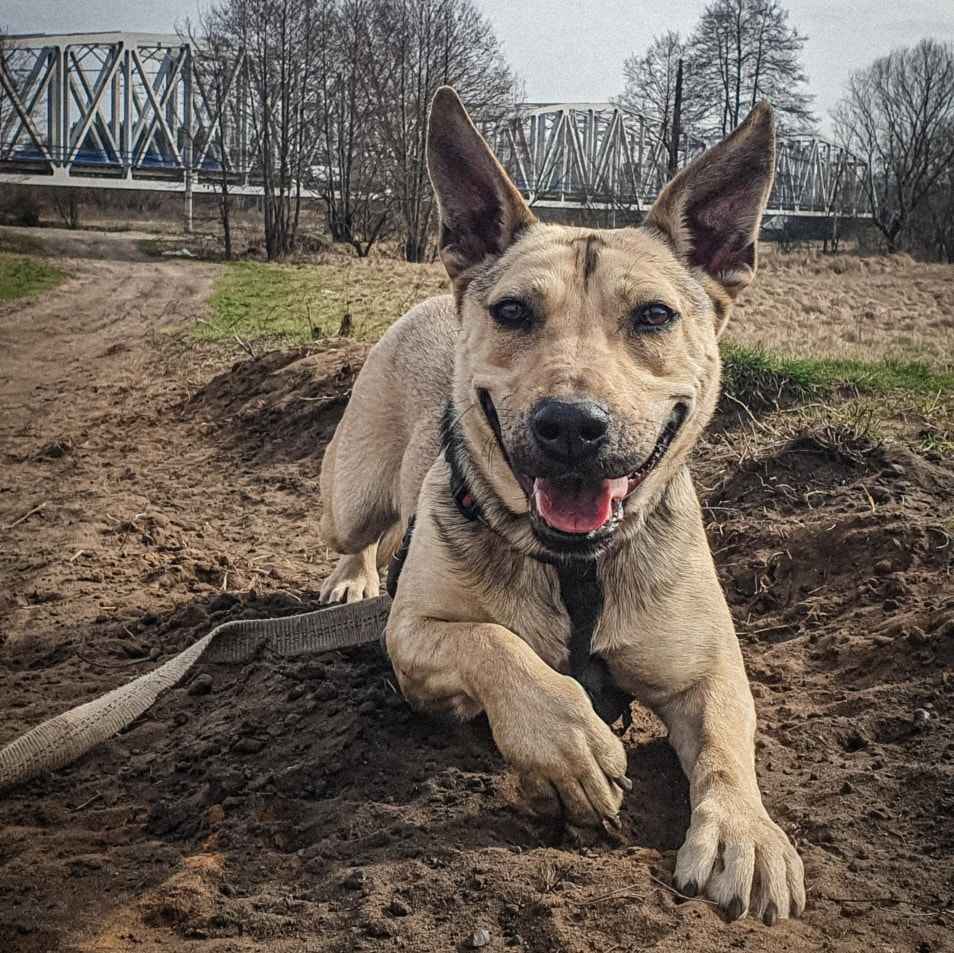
x=599 y=155
x=121 y=110
x=118 y=110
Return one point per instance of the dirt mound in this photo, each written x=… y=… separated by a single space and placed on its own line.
x=282 y=405
x=316 y=772
x=300 y=805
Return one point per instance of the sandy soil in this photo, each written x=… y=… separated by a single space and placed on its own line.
x=301 y=806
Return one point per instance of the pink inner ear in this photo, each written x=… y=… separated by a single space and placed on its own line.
x=721 y=228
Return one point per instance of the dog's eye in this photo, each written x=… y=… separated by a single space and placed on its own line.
x=511 y=313
x=653 y=316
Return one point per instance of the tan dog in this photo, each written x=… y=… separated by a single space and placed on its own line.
x=538 y=424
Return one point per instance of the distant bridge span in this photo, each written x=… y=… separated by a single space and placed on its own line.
x=123 y=110
x=599 y=155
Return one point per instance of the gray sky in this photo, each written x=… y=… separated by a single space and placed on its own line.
x=574 y=49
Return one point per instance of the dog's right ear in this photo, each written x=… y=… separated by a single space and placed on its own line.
x=481 y=211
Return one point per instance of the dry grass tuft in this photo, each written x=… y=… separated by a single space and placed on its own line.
x=844 y=306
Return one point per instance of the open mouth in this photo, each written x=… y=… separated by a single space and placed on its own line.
x=576 y=508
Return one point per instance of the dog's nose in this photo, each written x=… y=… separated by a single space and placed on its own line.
x=570 y=431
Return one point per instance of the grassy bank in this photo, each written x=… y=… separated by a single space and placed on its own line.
x=22 y=277
x=770 y=363
x=293 y=304
x=754 y=372
x=877 y=399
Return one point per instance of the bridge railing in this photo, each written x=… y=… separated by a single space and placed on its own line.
x=139 y=110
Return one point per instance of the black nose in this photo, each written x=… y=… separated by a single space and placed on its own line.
x=570 y=431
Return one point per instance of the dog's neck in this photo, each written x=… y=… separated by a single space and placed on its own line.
x=580 y=583
x=475 y=499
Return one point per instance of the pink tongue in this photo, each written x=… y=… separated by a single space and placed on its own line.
x=577 y=507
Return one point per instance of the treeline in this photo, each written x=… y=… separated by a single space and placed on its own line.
x=339 y=89
x=337 y=103
x=897 y=114
x=740 y=52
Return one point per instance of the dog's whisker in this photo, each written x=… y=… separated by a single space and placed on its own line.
x=456 y=421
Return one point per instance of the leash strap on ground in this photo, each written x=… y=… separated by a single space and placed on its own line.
x=63 y=739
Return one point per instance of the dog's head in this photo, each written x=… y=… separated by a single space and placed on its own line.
x=587 y=363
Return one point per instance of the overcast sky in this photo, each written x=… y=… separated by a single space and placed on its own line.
x=574 y=49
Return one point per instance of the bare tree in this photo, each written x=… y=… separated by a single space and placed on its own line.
x=899 y=115
x=280 y=39
x=348 y=173
x=338 y=92
x=650 y=88
x=414 y=46
x=932 y=227
x=68 y=205
x=743 y=51
x=217 y=69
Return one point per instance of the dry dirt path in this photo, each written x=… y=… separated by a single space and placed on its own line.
x=300 y=806
x=81 y=381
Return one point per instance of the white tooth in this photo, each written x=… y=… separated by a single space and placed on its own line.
x=618 y=487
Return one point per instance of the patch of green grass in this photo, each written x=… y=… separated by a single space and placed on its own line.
x=293 y=303
x=22 y=277
x=758 y=376
x=873 y=400
x=153 y=247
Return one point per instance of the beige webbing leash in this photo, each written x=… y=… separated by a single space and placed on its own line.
x=63 y=739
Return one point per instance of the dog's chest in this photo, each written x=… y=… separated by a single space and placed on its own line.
x=560 y=611
x=523 y=595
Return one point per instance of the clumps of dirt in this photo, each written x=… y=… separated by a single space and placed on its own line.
x=54 y=450
x=837 y=559
x=305 y=795
x=837 y=516
x=829 y=463
x=299 y=803
x=283 y=405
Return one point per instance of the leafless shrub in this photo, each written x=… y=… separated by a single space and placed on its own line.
x=68 y=205
x=898 y=114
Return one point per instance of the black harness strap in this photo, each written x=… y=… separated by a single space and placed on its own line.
x=580 y=590
x=397 y=561
x=582 y=594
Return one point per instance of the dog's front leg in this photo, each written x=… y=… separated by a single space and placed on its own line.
x=542 y=721
x=734 y=852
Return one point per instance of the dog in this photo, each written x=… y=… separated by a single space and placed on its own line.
x=535 y=426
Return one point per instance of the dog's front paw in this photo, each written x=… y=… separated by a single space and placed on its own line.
x=354 y=578
x=569 y=761
x=740 y=858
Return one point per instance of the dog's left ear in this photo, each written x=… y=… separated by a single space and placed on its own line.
x=481 y=210
x=710 y=212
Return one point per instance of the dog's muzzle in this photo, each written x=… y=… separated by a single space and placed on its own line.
x=575 y=506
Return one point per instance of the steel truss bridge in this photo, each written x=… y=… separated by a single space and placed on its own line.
x=120 y=110
x=133 y=111
x=599 y=155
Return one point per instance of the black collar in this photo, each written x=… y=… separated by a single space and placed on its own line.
x=463 y=498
